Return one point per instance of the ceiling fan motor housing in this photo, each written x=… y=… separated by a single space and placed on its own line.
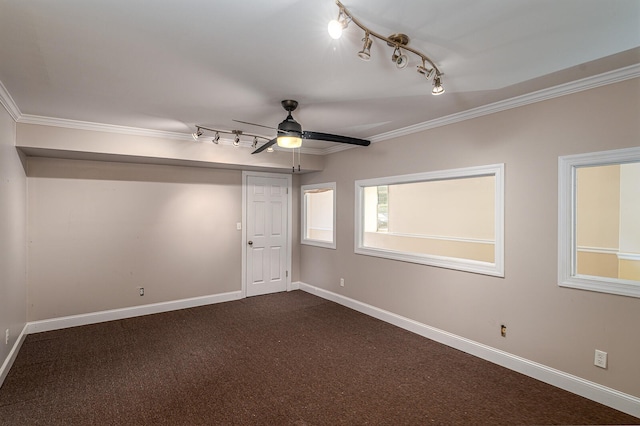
x=289 y=126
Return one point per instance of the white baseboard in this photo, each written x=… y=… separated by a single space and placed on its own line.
x=13 y=353
x=610 y=397
x=295 y=285
x=134 y=311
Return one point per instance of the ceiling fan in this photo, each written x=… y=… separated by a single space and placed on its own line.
x=290 y=133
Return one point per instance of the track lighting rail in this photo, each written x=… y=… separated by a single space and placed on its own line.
x=399 y=42
x=391 y=42
x=237 y=134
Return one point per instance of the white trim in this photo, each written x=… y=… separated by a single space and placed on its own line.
x=487 y=268
x=303 y=215
x=245 y=177
x=295 y=285
x=607 y=250
x=567 y=274
x=610 y=397
x=134 y=311
x=8 y=103
x=587 y=83
x=601 y=250
x=101 y=127
x=629 y=256
x=13 y=353
x=441 y=237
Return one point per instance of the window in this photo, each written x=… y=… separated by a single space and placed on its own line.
x=599 y=230
x=451 y=218
x=319 y=215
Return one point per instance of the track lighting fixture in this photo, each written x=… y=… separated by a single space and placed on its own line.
x=236 y=133
x=427 y=72
x=437 y=86
x=399 y=43
x=365 y=53
x=337 y=25
x=400 y=60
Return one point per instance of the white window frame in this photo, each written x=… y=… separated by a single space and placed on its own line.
x=567 y=248
x=303 y=219
x=487 y=268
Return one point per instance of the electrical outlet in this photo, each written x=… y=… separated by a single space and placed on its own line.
x=341 y=282
x=503 y=330
x=6 y=336
x=141 y=291
x=600 y=359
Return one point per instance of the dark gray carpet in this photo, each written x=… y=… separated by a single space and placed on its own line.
x=282 y=359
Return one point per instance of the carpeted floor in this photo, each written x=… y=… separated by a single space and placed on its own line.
x=282 y=359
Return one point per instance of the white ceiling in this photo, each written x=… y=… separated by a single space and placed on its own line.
x=168 y=65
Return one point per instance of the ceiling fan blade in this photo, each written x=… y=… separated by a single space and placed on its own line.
x=334 y=138
x=265 y=146
x=254 y=124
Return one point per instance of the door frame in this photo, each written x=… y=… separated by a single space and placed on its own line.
x=289 y=238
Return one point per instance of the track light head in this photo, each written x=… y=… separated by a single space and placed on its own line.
x=254 y=145
x=216 y=138
x=402 y=62
x=195 y=135
x=427 y=72
x=236 y=140
x=399 y=58
x=365 y=53
x=437 y=86
x=336 y=26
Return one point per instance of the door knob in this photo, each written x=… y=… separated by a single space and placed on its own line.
x=250 y=243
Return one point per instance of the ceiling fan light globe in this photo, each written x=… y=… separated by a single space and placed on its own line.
x=335 y=29
x=287 y=141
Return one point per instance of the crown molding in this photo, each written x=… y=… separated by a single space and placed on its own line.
x=7 y=102
x=610 y=77
x=587 y=83
x=100 y=127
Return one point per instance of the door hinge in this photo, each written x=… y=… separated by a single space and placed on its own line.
x=287 y=190
x=287 y=274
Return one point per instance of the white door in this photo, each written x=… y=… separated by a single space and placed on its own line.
x=267 y=241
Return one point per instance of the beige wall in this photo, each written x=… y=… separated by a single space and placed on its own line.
x=459 y=208
x=99 y=230
x=13 y=213
x=555 y=326
x=598 y=205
